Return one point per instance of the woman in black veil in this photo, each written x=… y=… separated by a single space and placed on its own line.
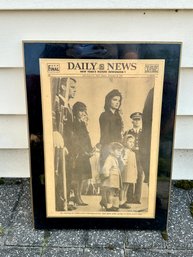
x=111 y=128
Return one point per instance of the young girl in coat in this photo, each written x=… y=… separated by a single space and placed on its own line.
x=111 y=178
x=129 y=173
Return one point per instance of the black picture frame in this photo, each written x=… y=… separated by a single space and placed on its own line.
x=170 y=52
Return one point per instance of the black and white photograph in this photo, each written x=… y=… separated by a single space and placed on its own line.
x=101 y=122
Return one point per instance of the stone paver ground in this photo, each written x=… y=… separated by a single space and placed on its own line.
x=18 y=238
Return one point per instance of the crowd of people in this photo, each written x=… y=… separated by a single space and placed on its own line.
x=120 y=168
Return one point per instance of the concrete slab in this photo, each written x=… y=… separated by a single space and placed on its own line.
x=180 y=225
x=145 y=239
x=106 y=238
x=19 y=252
x=25 y=202
x=21 y=232
x=103 y=252
x=9 y=194
x=67 y=238
x=61 y=252
x=157 y=253
x=190 y=193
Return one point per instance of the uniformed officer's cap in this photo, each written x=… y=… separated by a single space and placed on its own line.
x=136 y=115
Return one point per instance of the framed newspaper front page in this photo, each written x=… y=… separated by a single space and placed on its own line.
x=101 y=125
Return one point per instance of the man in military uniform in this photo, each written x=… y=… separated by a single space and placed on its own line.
x=136 y=131
x=63 y=138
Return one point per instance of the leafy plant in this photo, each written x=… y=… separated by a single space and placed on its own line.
x=45 y=241
x=2 y=231
x=164 y=235
x=2 y=181
x=184 y=184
